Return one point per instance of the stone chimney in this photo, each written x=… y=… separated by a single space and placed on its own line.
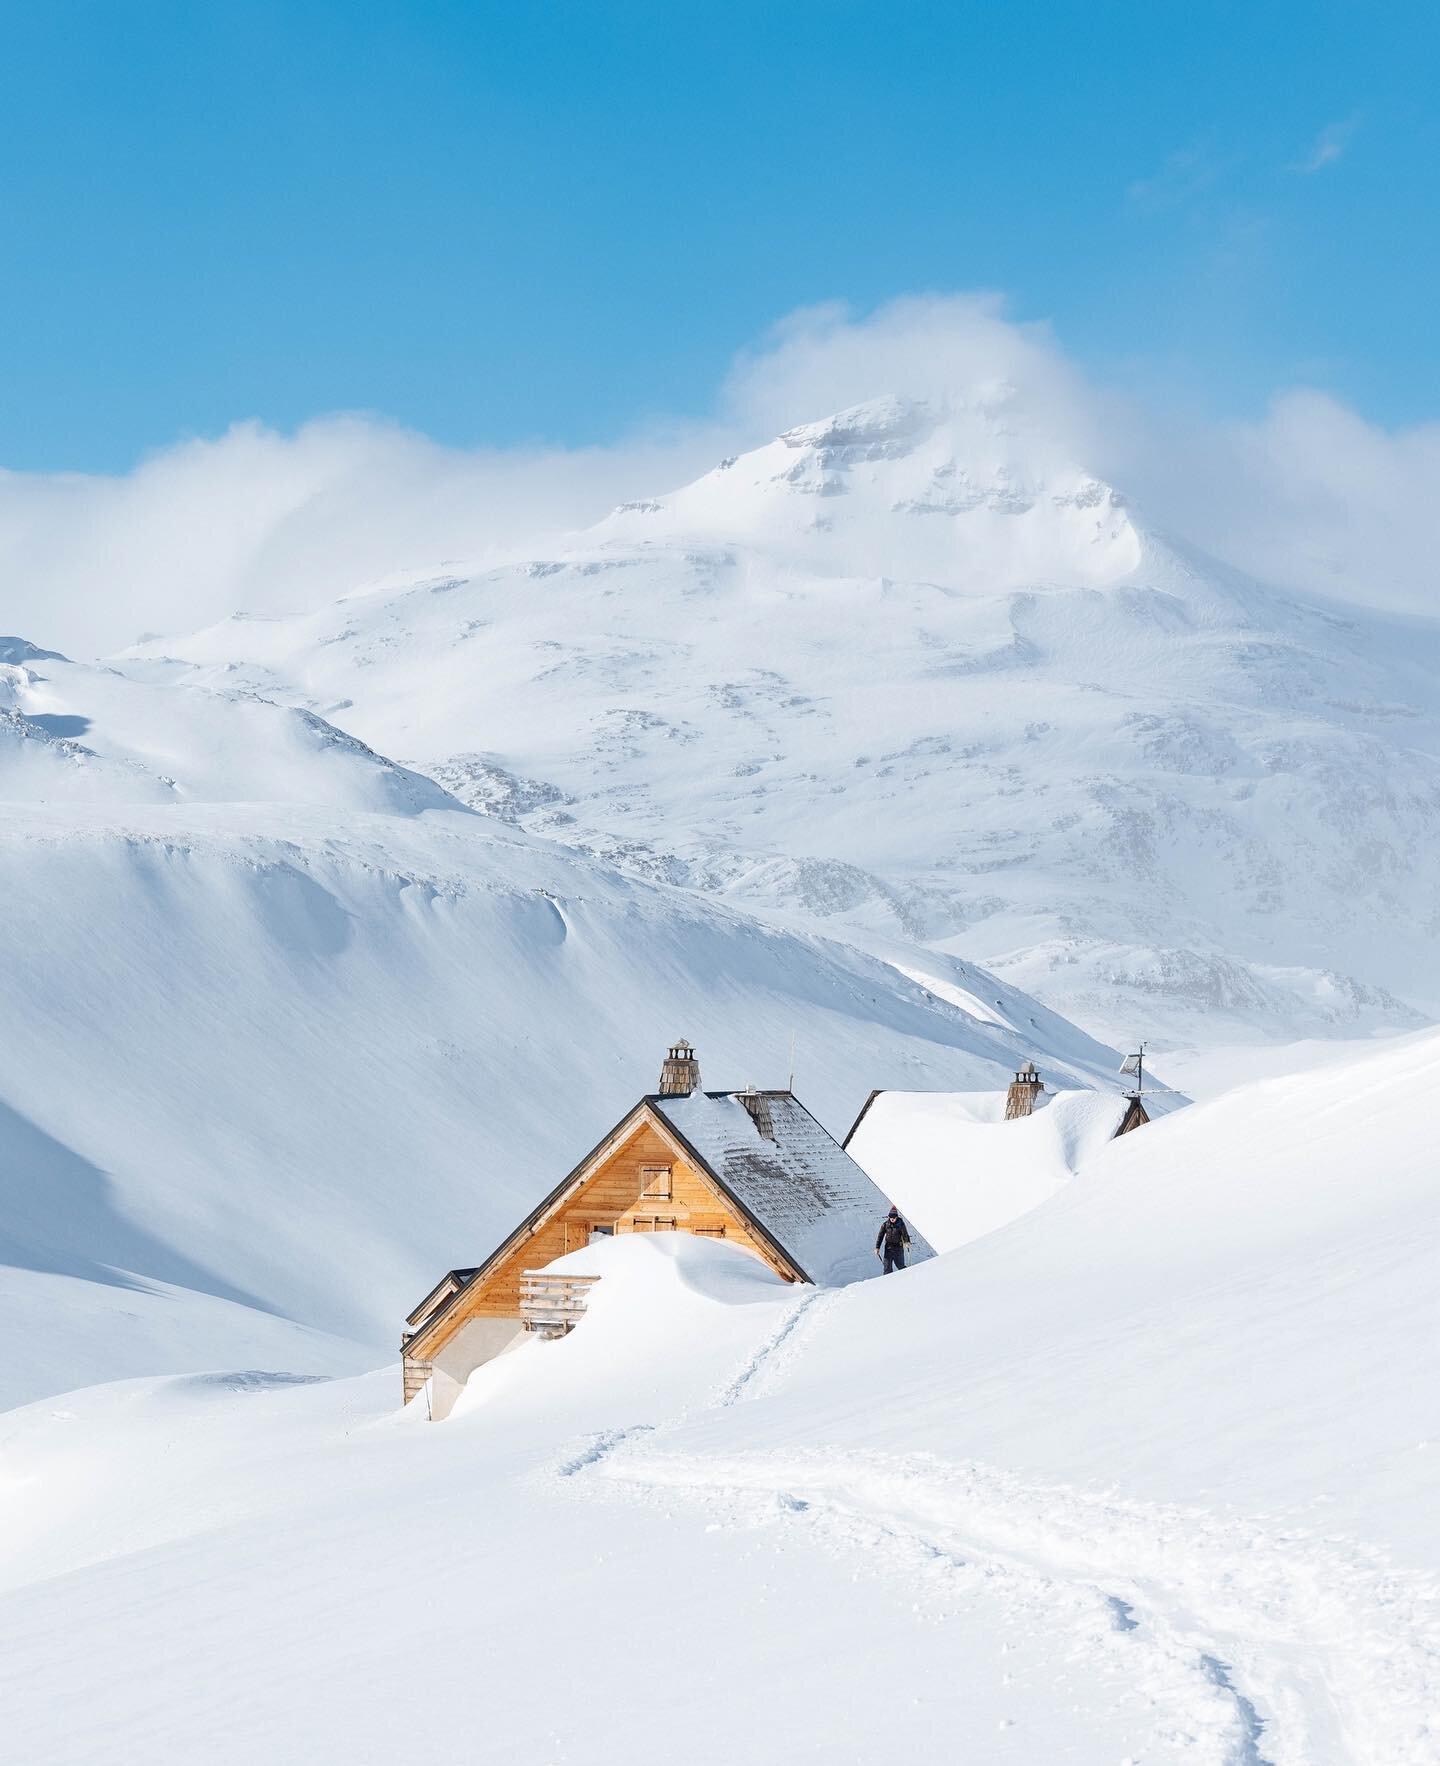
x=681 y=1073
x=1025 y=1087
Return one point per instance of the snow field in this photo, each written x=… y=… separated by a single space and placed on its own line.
x=1144 y=1475
x=1197 y=1382
x=319 y=1576
x=1243 y=1644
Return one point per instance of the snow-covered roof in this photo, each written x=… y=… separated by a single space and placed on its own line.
x=960 y=1170
x=790 y=1175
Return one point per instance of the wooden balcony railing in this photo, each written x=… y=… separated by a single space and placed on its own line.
x=553 y=1303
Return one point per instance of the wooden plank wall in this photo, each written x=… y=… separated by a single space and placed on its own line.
x=612 y=1197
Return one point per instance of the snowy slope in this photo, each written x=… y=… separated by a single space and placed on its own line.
x=908 y=671
x=102 y=1322
x=286 y=1028
x=1279 y=1240
x=1143 y=1476
x=73 y=734
x=323 y=1582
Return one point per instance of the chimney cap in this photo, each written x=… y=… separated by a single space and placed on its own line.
x=680 y=1072
x=1025 y=1089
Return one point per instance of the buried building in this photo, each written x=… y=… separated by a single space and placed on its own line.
x=752 y=1167
x=963 y=1164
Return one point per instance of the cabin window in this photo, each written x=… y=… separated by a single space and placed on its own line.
x=653 y=1223
x=600 y=1232
x=655 y=1181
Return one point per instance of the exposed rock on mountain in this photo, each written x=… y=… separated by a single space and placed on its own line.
x=905 y=671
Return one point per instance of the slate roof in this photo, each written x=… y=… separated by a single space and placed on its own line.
x=790 y=1175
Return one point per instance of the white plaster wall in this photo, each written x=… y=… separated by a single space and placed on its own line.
x=477 y=1341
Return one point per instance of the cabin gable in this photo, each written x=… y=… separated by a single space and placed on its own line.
x=1136 y=1116
x=642 y=1178
x=643 y=1184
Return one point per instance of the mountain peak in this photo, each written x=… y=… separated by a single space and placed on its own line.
x=880 y=429
x=960 y=494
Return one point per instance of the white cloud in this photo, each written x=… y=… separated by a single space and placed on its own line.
x=1312 y=495
x=822 y=359
x=1330 y=145
x=1316 y=497
x=274 y=522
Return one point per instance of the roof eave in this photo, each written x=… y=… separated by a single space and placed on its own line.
x=461 y=1278
x=518 y=1236
x=864 y=1110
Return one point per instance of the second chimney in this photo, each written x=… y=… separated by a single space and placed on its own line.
x=758 y=1106
x=680 y=1074
x=1025 y=1087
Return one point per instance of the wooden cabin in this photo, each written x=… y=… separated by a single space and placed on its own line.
x=753 y=1167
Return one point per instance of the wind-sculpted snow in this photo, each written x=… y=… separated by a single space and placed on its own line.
x=902 y=671
x=287 y=1028
x=1182 y=1397
x=329 y=944
x=1143 y=1476
x=77 y=734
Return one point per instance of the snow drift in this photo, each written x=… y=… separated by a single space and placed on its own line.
x=1142 y=1475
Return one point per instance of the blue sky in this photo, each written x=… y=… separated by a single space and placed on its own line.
x=498 y=223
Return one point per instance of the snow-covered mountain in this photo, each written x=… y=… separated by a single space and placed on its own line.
x=285 y=1029
x=910 y=673
x=329 y=944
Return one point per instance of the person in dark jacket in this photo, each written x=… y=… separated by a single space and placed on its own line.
x=892 y=1241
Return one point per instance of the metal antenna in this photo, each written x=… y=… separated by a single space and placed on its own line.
x=791 y=1086
x=1136 y=1064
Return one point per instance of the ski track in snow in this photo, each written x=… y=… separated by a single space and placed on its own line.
x=767 y=1368
x=1252 y=1646
x=757 y=1376
x=599 y=1447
